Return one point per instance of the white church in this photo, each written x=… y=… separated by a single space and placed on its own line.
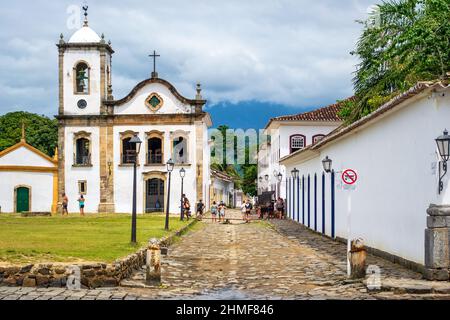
x=95 y=132
x=95 y=155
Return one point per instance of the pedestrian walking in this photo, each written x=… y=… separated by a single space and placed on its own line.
x=81 y=203
x=200 y=209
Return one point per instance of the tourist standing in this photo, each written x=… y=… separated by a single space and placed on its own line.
x=243 y=210
x=65 y=204
x=280 y=208
x=222 y=209
x=248 y=211
x=81 y=202
x=187 y=208
x=214 y=212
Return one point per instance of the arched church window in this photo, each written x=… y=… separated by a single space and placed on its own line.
x=297 y=142
x=82 y=154
x=180 y=151
x=82 y=78
x=128 y=151
x=155 y=150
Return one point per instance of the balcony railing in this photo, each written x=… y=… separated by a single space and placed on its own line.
x=154 y=158
x=129 y=157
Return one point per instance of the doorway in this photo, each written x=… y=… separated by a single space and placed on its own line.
x=154 y=201
x=23 y=195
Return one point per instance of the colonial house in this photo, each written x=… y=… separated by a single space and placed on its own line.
x=96 y=153
x=29 y=179
x=288 y=134
x=399 y=172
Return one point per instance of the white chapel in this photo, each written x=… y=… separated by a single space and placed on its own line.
x=95 y=130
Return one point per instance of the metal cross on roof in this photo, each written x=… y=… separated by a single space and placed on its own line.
x=85 y=9
x=154 y=56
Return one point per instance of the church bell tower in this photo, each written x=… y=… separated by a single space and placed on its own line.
x=84 y=72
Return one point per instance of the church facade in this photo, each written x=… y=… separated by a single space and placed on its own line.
x=95 y=152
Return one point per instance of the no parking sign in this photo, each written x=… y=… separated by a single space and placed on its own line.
x=349 y=178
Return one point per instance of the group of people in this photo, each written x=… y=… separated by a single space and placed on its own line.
x=274 y=209
x=218 y=210
x=65 y=204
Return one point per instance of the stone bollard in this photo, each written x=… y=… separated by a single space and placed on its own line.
x=358 y=255
x=437 y=241
x=153 y=263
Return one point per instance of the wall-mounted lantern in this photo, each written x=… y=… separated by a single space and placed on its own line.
x=443 y=144
x=327 y=163
x=295 y=173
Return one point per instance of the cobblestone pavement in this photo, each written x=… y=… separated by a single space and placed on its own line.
x=281 y=260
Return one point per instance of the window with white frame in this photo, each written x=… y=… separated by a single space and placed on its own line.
x=297 y=142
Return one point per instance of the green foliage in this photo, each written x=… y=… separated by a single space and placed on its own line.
x=41 y=132
x=406 y=41
x=244 y=175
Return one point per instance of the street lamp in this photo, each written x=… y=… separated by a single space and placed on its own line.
x=279 y=179
x=182 y=175
x=170 y=165
x=266 y=177
x=295 y=173
x=443 y=144
x=327 y=162
x=136 y=142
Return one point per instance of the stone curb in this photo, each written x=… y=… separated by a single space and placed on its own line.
x=407 y=286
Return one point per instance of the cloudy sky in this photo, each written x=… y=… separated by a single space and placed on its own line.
x=255 y=58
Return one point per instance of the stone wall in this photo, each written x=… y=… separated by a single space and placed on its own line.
x=56 y=275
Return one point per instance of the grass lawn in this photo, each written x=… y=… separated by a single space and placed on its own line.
x=94 y=238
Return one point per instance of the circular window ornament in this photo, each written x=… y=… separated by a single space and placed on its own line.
x=82 y=104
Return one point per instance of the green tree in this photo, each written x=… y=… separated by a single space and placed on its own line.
x=41 y=132
x=244 y=175
x=403 y=42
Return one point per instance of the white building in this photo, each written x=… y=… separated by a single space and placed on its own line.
x=29 y=180
x=289 y=134
x=222 y=188
x=394 y=154
x=95 y=130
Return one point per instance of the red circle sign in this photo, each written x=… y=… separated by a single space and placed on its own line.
x=349 y=176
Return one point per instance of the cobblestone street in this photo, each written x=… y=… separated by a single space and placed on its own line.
x=260 y=260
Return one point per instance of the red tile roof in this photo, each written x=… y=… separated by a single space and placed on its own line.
x=329 y=113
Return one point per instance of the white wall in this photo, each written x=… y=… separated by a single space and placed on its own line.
x=41 y=190
x=89 y=174
x=395 y=159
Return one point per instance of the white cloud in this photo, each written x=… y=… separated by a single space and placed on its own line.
x=288 y=52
